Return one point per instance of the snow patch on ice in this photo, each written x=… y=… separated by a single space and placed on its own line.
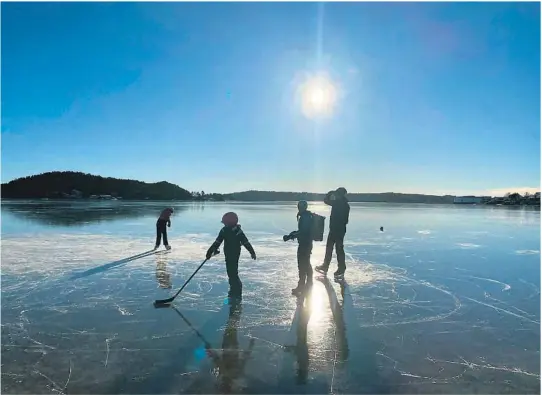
x=527 y=252
x=468 y=245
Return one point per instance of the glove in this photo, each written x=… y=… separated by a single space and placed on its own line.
x=291 y=236
x=253 y=255
x=169 y=225
x=211 y=253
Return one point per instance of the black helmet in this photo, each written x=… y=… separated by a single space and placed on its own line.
x=302 y=205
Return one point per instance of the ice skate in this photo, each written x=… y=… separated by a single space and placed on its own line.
x=321 y=269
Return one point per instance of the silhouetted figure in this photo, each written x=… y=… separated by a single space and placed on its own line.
x=163 y=220
x=233 y=238
x=382 y=229
x=304 y=249
x=340 y=212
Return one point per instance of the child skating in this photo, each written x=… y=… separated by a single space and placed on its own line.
x=304 y=237
x=233 y=237
x=161 y=230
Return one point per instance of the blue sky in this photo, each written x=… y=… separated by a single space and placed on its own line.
x=434 y=98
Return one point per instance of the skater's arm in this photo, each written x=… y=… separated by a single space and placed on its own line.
x=327 y=198
x=214 y=247
x=291 y=236
x=168 y=222
x=244 y=241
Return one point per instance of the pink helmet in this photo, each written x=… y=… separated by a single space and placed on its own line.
x=230 y=219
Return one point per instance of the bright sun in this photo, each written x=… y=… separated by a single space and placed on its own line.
x=318 y=96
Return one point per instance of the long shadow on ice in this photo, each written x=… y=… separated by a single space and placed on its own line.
x=174 y=369
x=309 y=374
x=356 y=368
x=337 y=311
x=107 y=266
x=300 y=322
x=229 y=361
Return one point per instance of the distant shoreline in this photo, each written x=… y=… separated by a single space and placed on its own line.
x=165 y=202
x=71 y=186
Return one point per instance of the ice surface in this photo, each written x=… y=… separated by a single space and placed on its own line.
x=447 y=299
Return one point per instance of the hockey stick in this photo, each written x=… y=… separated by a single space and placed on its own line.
x=157 y=303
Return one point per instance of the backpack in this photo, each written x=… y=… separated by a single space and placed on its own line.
x=317 y=227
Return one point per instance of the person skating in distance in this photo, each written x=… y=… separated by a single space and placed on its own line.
x=163 y=220
x=340 y=212
x=233 y=237
x=303 y=234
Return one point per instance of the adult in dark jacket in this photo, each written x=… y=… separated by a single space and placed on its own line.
x=304 y=250
x=233 y=237
x=340 y=212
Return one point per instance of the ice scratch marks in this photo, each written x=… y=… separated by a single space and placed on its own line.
x=69 y=376
x=107 y=348
x=507 y=305
x=431 y=379
x=535 y=289
x=416 y=320
x=503 y=310
x=505 y=286
x=123 y=311
x=56 y=387
x=473 y=365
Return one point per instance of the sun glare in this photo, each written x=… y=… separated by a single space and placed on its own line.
x=318 y=96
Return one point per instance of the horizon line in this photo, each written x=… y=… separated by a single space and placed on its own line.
x=491 y=192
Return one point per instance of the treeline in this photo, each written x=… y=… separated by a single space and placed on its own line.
x=516 y=199
x=68 y=184
x=388 y=197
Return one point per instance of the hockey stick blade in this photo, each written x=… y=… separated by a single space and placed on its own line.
x=162 y=302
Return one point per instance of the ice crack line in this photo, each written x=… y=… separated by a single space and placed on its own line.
x=472 y=366
x=503 y=310
x=107 y=348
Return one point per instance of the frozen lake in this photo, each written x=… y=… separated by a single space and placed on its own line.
x=445 y=300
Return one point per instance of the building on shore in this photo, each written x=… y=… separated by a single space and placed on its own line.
x=471 y=199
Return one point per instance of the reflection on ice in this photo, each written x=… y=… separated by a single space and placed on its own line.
x=162 y=275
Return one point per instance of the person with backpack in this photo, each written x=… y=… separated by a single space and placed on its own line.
x=233 y=237
x=304 y=236
x=340 y=212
